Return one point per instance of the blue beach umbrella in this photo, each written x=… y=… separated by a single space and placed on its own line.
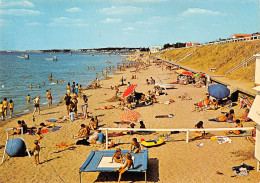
x=218 y=91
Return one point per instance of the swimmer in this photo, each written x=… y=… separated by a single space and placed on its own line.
x=72 y=74
x=57 y=82
x=39 y=86
x=28 y=98
x=43 y=83
x=61 y=80
x=94 y=68
x=87 y=68
x=24 y=76
x=31 y=86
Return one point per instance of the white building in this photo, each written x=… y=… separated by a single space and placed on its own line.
x=155 y=49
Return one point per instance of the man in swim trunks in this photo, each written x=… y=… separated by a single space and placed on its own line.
x=36 y=103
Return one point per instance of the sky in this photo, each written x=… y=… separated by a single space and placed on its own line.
x=77 y=24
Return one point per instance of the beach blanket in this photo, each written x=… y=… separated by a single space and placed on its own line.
x=245 y=102
x=55 y=128
x=44 y=130
x=51 y=120
x=164 y=116
x=223 y=139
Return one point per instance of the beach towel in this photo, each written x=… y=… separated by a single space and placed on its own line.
x=55 y=128
x=245 y=102
x=44 y=130
x=223 y=139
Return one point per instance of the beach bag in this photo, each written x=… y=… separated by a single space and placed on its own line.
x=242 y=170
x=82 y=142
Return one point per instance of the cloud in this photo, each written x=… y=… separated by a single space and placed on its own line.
x=33 y=23
x=73 y=10
x=191 y=11
x=128 y=29
x=113 y=10
x=19 y=12
x=110 y=20
x=19 y=3
x=65 y=21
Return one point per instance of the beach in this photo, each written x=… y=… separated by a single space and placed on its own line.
x=175 y=161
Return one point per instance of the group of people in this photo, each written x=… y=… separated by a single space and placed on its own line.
x=4 y=106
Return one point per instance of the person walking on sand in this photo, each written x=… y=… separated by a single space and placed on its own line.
x=36 y=152
x=67 y=102
x=36 y=103
x=85 y=106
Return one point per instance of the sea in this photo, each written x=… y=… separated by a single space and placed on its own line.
x=17 y=74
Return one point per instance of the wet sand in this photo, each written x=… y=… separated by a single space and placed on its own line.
x=175 y=161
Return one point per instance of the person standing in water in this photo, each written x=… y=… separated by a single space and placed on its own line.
x=50 y=79
x=49 y=98
x=5 y=106
x=11 y=107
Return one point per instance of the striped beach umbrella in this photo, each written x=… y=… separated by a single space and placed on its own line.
x=129 y=115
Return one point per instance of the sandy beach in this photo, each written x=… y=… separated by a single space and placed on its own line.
x=175 y=161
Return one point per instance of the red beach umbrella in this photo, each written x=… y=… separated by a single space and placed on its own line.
x=129 y=90
x=187 y=73
x=129 y=115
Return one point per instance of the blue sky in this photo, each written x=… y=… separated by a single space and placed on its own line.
x=75 y=24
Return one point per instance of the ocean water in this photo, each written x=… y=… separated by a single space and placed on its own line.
x=16 y=75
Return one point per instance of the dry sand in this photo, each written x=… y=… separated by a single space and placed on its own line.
x=175 y=161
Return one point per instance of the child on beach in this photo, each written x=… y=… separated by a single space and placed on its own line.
x=136 y=145
x=18 y=131
x=237 y=132
x=38 y=132
x=245 y=117
x=36 y=152
x=117 y=157
x=128 y=164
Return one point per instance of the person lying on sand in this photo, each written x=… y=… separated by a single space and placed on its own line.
x=106 y=107
x=185 y=97
x=237 y=132
x=222 y=118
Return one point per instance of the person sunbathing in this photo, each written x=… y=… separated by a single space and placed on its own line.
x=207 y=102
x=106 y=107
x=237 y=132
x=81 y=133
x=117 y=157
x=93 y=124
x=231 y=116
x=245 y=117
x=222 y=118
x=17 y=131
x=214 y=105
x=128 y=164
x=253 y=135
x=198 y=134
